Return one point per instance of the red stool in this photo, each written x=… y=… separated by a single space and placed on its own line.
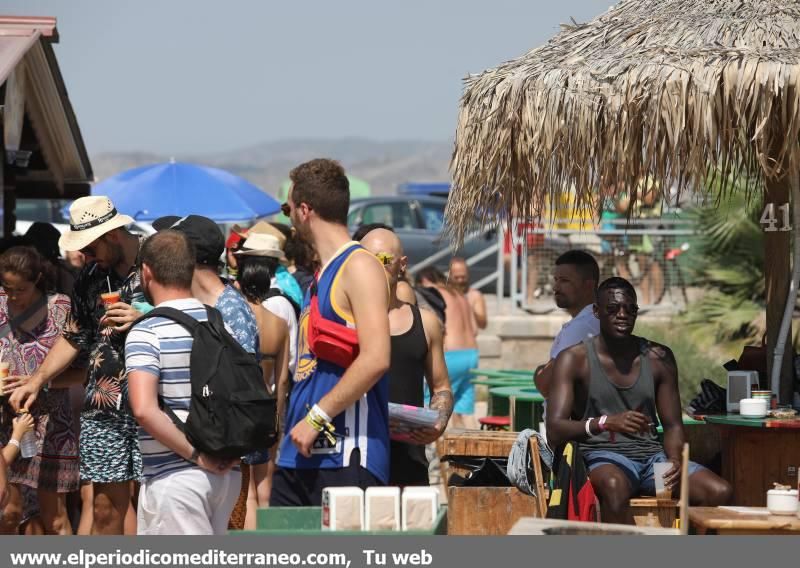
x=495 y=422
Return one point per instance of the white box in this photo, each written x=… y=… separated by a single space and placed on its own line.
x=420 y=507
x=383 y=509
x=343 y=509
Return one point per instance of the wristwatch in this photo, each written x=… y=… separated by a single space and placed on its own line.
x=195 y=456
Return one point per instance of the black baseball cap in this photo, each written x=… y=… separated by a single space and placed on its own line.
x=165 y=222
x=205 y=235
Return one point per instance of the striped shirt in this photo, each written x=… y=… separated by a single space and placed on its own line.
x=162 y=348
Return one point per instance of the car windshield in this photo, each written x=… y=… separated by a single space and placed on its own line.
x=433 y=216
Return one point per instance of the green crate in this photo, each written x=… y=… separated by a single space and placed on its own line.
x=286 y=521
x=289 y=518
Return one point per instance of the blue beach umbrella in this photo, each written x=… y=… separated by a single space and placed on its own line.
x=149 y=192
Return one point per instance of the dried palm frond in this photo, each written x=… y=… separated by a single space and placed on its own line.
x=681 y=92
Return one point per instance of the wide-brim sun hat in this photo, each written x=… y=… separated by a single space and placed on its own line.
x=89 y=219
x=262 y=244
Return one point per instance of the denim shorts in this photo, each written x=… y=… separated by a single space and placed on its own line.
x=638 y=472
x=257 y=457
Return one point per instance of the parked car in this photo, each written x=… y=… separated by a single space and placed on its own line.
x=419 y=222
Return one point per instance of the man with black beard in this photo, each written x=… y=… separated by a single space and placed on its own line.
x=575 y=281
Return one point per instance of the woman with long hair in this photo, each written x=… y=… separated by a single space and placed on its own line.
x=32 y=318
x=253 y=280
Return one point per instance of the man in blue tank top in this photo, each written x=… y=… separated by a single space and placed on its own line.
x=337 y=417
x=608 y=394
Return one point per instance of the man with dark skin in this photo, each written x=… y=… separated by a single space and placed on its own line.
x=605 y=394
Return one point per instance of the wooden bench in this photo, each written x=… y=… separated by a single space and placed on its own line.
x=654 y=512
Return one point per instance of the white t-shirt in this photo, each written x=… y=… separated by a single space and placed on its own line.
x=282 y=308
x=575 y=330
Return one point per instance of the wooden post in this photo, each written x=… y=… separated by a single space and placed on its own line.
x=777 y=274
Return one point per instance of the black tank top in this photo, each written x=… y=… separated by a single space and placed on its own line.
x=408 y=465
x=407 y=369
x=606 y=397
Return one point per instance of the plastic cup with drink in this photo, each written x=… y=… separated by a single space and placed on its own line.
x=111 y=297
x=661 y=469
x=3 y=376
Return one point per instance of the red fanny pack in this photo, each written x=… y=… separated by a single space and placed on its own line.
x=328 y=340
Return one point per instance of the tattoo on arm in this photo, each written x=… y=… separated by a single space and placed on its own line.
x=442 y=402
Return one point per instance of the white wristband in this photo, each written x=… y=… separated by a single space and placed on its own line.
x=321 y=413
x=587 y=428
x=13 y=442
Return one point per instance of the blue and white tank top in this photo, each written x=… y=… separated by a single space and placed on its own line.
x=365 y=425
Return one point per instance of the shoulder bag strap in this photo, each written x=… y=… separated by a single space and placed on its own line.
x=18 y=320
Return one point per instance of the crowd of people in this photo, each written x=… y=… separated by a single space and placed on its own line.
x=333 y=322
x=97 y=397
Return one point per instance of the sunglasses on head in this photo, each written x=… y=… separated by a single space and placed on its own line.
x=385 y=258
x=613 y=309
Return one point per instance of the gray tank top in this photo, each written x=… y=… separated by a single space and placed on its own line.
x=605 y=397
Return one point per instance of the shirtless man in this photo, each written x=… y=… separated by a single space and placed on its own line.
x=417 y=356
x=608 y=393
x=460 y=346
x=459 y=279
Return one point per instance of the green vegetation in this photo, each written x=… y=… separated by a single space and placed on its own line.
x=729 y=262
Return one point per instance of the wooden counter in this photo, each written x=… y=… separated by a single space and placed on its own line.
x=724 y=521
x=757 y=452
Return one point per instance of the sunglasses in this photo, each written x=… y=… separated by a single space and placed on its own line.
x=613 y=309
x=286 y=209
x=385 y=258
x=90 y=251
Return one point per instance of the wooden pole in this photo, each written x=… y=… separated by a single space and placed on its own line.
x=777 y=273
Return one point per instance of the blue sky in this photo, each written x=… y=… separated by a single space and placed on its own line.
x=195 y=76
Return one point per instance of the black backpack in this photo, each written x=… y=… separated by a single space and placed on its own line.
x=231 y=412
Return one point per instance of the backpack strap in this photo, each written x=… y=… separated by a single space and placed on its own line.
x=214 y=317
x=177 y=316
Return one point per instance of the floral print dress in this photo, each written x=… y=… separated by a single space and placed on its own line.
x=55 y=465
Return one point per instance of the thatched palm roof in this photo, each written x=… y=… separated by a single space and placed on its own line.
x=672 y=89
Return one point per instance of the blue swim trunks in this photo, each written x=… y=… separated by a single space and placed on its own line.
x=459 y=364
x=639 y=473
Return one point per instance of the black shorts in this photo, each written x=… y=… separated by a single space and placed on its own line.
x=303 y=487
x=408 y=465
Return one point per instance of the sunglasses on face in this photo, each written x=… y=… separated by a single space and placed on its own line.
x=385 y=258
x=90 y=251
x=286 y=209
x=613 y=309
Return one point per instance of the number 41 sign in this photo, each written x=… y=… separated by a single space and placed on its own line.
x=770 y=221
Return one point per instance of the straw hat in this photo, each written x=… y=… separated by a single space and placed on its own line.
x=261 y=227
x=261 y=244
x=89 y=219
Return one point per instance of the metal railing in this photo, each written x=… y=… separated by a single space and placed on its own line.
x=448 y=251
x=647 y=252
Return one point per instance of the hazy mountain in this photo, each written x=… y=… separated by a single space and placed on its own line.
x=384 y=165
